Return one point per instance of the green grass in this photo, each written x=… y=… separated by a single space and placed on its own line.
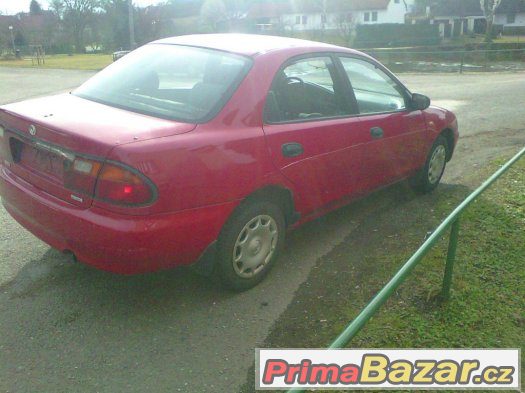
x=487 y=307
x=488 y=303
x=74 y=62
x=480 y=38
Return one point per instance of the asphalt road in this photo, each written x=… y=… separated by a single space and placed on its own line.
x=66 y=327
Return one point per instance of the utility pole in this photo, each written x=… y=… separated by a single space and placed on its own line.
x=12 y=39
x=132 y=43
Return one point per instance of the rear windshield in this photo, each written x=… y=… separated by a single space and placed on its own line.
x=173 y=82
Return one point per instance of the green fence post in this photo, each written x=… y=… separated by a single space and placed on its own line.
x=451 y=257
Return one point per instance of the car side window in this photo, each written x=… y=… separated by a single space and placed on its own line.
x=375 y=91
x=304 y=90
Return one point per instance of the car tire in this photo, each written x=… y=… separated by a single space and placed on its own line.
x=428 y=178
x=249 y=244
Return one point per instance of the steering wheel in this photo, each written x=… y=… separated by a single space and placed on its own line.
x=292 y=79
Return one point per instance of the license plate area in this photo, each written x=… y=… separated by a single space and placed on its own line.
x=36 y=159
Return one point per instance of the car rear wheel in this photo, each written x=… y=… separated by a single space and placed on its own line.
x=249 y=244
x=430 y=175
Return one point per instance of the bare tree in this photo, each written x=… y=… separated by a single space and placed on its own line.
x=213 y=15
x=489 y=10
x=77 y=16
x=57 y=7
x=346 y=24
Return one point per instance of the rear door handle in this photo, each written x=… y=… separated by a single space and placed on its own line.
x=293 y=149
x=377 y=132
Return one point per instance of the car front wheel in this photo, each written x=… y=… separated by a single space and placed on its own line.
x=428 y=178
x=249 y=244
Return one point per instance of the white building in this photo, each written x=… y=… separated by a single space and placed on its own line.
x=329 y=14
x=455 y=18
x=510 y=14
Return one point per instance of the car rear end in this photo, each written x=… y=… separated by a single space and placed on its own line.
x=62 y=185
x=92 y=172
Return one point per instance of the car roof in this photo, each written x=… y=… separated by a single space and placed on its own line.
x=248 y=44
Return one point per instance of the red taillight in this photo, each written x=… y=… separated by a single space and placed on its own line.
x=119 y=185
x=80 y=175
x=109 y=182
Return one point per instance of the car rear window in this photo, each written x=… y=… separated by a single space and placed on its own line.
x=174 y=82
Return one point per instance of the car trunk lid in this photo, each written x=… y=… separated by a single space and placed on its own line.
x=45 y=136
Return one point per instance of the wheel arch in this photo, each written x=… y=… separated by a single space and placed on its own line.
x=448 y=134
x=281 y=196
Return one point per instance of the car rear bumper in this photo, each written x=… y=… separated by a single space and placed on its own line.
x=113 y=242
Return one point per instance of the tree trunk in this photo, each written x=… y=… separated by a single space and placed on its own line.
x=80 y=47
x=488 y=33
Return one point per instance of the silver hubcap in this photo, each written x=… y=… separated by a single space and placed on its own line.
x=255 y=246
x=437 y=164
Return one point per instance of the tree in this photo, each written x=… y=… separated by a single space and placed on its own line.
x=489 y=10
x=77 y=15
x=346 y=24
x=57 y=7
x=35 y=8
x=213 y=15
x=114 y=24
x=20 y=39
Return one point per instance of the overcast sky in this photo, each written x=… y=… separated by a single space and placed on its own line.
x=14 y=6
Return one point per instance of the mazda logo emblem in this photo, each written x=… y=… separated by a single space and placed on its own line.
x=32 y=130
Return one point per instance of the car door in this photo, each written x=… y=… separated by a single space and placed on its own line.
x=399 y=133
x=311 y=133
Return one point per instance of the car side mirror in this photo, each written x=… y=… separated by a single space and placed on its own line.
x=420 y=102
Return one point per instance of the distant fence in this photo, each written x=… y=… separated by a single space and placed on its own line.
x=451 y=60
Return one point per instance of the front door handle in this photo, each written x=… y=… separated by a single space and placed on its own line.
x=377 y=132
x=293 y=149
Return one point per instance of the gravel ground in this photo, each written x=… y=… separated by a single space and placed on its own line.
x=67 y=327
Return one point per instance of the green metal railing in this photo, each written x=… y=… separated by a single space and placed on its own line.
x=452 y=221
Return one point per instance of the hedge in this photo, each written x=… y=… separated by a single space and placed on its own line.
x=395 y=35
x=514 y=30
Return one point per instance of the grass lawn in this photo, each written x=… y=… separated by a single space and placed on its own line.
x=74 y=62
x=480 y=38
x=487 y=308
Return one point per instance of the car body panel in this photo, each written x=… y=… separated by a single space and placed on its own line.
x=203 y=172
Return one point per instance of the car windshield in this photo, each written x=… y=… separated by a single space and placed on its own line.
x=169 y=81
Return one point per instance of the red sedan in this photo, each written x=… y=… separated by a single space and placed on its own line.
x=204 y=149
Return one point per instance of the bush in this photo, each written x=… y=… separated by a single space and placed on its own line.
x=497 y=30
x=514 y=30
x=395 y=35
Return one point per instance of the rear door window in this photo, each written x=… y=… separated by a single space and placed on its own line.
x=304 y=90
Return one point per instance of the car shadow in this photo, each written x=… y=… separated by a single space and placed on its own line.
x=58 y=270
x=60 y=309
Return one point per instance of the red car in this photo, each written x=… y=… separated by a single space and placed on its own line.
x=204 y=149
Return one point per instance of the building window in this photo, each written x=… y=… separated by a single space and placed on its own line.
x=374 y=16
x=298 y=19
x=367 y=16
x=323 y=18
x=305 y=19
x=396 y=1
x=511 y=18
